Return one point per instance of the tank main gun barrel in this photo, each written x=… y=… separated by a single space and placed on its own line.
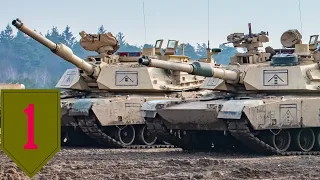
x=60 y=49
x=196 y=68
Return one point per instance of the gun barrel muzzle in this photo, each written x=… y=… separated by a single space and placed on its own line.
x=41 y=39
x=59 y=49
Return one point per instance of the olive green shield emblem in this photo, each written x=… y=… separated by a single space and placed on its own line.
x=30 y=127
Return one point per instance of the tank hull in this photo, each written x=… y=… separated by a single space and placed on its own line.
x=189 y=115
x=283 y=125
x=113 y=122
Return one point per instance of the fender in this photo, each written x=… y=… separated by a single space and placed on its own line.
x=81 y=107
x=233 y=109
x=149 y=108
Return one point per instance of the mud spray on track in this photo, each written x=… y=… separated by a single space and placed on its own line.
x=95 y=163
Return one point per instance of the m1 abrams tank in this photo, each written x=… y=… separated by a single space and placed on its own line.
x=268 y=106
x=104 y=94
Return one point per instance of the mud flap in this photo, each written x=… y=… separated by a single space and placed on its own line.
x=81 y=107
x=149 y=108
x=232 y=109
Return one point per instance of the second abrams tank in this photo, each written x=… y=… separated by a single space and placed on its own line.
x=269 y=106
x=103 y=95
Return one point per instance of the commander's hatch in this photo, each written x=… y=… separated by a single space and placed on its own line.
x=158 y=47
x=313 y=42
x=170 y=52
x=171 y=47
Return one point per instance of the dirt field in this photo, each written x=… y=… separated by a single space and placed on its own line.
x=165 y=164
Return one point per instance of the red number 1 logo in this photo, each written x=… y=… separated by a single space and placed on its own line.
x=30 y=141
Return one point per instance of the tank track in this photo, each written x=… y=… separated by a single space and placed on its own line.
x=89 y=126
x=149 y=147
x=178 y=142
x=241 y=131
x=192 y=145
x=188 y=143
x=164 y=134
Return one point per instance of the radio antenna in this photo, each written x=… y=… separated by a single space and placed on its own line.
x=209 y=55
x=208 y=22
x=144 y=22
x=300 y=17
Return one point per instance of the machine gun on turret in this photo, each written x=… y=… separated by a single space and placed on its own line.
x=251 y=42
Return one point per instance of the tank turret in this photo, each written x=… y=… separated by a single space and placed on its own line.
x=292 y=71
x=105 y=92
x=95 y=72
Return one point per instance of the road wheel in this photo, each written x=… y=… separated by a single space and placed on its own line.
x=126 y=135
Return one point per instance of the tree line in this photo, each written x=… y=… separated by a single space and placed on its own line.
x=26 y=61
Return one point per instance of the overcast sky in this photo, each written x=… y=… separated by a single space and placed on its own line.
x=185 y=20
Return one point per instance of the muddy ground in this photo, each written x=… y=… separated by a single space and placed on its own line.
x=165 y=164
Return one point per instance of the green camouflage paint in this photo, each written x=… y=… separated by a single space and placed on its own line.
x=14 y=127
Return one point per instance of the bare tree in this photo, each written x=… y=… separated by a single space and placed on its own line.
x=10 y=74
x=44 y=77
x=40 y=77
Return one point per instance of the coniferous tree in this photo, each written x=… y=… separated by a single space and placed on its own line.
x=7 y=33
x=68 y=37
x=101 y=30
x=121 y=38
x=6 y=36
x=201 y=50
